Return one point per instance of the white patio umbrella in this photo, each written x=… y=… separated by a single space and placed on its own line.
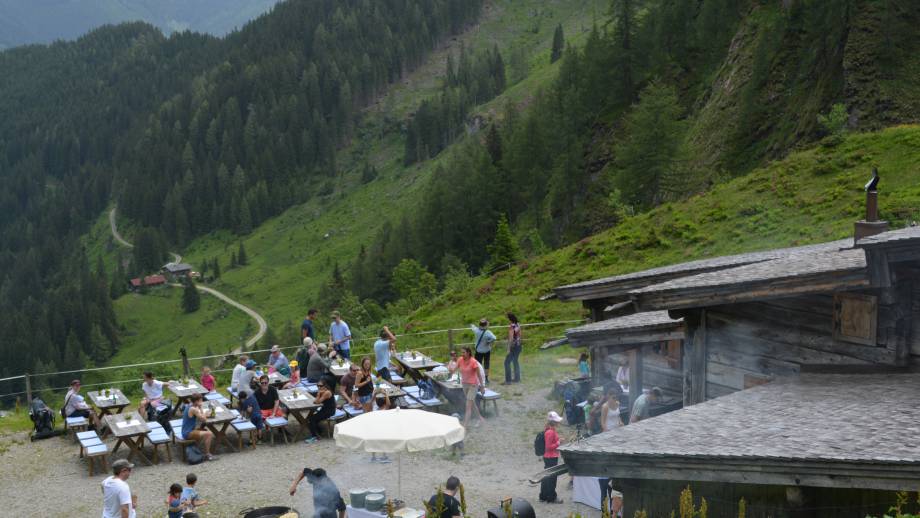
x=396 y=431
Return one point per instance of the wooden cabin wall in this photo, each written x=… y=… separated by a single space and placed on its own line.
x=751 y=343
x=659 y=498
x=661 y=371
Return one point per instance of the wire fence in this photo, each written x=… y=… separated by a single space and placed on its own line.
x=435 y=343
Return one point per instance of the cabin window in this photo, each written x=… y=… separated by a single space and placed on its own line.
x=855 y=318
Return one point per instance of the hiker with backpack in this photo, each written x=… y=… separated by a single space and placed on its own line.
x=550 y=455
x=484 y=340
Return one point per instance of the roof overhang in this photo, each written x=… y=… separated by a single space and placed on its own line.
x=750 y=470
x=728 y=293
x=629 y=331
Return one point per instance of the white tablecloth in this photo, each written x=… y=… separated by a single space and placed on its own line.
x=587 y=490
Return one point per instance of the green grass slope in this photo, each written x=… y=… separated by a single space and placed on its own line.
x=291 y=255
x=156 y=327
x=811 y=196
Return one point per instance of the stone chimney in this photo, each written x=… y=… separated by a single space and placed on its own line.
x=871 y=225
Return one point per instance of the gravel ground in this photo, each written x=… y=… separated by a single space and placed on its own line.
x=47 y=479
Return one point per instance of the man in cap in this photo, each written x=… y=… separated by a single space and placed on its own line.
x=279 y=361
x=117 y=501
x=340 y=336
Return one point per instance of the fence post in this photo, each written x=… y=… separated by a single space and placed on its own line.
x=28 y=390
x=185 y=366
x=450 y=340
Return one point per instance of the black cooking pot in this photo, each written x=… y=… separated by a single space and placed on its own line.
x=520 y=508
x=267 y=512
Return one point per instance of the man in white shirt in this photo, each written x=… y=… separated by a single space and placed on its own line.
x=153 y=393
x=117 y=501
x=239 y=369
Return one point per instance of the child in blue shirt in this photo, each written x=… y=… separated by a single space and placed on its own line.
x=190 y=497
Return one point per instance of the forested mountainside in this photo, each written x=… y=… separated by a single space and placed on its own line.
x=44 y=21
x=664 y=100
x=189 y=133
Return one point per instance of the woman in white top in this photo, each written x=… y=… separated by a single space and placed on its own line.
x=610 y=414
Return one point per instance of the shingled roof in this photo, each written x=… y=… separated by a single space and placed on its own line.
x=650 y=326
x=890 y=237
x=818 y=430
x=621 y=285
x=817 y=271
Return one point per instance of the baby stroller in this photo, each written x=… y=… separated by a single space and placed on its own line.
x=43 y=420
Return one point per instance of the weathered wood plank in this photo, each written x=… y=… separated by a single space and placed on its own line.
x=741 y=329
x=751 y=362
x=780 y=352
x=698 y=361
x=662 y=376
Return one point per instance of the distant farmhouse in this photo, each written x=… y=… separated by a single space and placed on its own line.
x=177 y=270
x=796 y=370
x=149 y=281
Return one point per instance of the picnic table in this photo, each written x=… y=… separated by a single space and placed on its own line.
x=184 y=392
x=450 y=388
x=112 y=402
x=415 y=363
x=339 y=370
x=392 y=391
x=130 y=429
x=219 y=423
x=300 y=405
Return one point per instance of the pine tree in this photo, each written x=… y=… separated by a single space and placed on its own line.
x=241 y=258
x=233 y=262
x=648 y=156
x=558 y=45
x=215 y=265
x=191 y=300
x=494 y=144
x=504 y=248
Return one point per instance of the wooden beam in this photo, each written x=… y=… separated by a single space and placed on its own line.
x=695 y=359
x=635 y=375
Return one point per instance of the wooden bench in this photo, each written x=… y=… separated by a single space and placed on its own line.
x=157 y=437
x=274 y=423
x=76 y=425
x=489 y=395
x=178 y=439
x=335 y=418
x=92 y=447
x=242 y=426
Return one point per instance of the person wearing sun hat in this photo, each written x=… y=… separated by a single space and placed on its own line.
x=550 y=458
x=295 y=375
